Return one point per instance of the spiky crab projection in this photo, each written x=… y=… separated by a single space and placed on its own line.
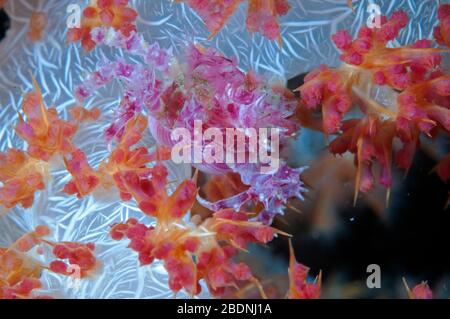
x=401 y=92
x=216 y=92
x=20 y=273
x=192 y=250
x=262 y=15
x=116 y=14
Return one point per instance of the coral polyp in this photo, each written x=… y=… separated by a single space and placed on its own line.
x=46 y=134
x=262 y=15
x=196 y=249
x=20 y=272
x=111 y=13
x=21 y=177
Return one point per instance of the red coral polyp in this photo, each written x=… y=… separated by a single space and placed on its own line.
x=420 y=291
x=215 y=13
x=234 y=227
x=263 y=17
x=396 y=67
x=329 y=89
x=78 y=256
x=127 y=169
x=426 y=104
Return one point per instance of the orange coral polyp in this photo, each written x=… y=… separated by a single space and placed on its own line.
x=37 y=24
x=85 y=180
x=81 y=114
x=129 y=171
x=263 y=17
x=215 y=13
x=427 y=104
x=21 y=177
x=46 y=134
x=19 y=274
x=299 y=287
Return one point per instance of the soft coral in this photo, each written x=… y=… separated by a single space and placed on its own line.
x=401 y=92
x=46 y=134
x=194 y=250
x=21 y=176
x=442 y=32
x=20 y=273
x=262 y=15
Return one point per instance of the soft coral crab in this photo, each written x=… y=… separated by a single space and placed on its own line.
x=208 y=88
